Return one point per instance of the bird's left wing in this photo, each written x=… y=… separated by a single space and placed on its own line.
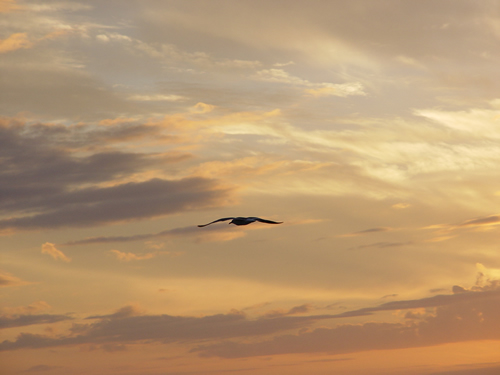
x=215 y=221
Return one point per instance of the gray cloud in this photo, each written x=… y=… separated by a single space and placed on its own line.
x=469 y=315
x=183 y=231
x=382 y=245
x=93 y=206
x=435 y=301
x=25 y=320
x=471 y=318
x=367 y=231
x=123 y=327
x=45 y=182
x=301 y=309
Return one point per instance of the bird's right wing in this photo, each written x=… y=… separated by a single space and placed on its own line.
x=267 y=221
x=215 y=221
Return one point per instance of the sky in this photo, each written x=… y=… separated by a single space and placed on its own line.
x=371 y=129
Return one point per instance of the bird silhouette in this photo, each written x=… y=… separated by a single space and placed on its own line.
x=242 y=221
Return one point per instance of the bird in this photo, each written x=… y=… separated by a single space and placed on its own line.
x=242 y=221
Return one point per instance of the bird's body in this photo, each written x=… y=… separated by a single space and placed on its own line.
x=242 y=221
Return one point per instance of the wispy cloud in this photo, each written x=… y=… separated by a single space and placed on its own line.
x=50 y=249
x=312 y=89
x=26 y=320
x=14 y=42
x=367 y=231
x=209 y=234
x=482 y=222
x=127 y=257
x=382 y=245
x=157 y=98
x=8 y=5
x=6 y=279
x=29 y=315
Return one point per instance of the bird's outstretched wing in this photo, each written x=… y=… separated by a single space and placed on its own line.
x=266 y=221
x=215 y=221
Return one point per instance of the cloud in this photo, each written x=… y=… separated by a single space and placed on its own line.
x=284 y=64
x=70 y=176
x=458 y=317
x=28 y=315
x=34 y=307
x=279 y=76
x=302 y=309
x=367 y=231
x=11 y=321
x=487 y=220
x=172 y=56
x=124 y=312
x=157 y=98
x=208 y=234
x=127 y=257
x=313 y=89
x=123 y=327
x=342 y=90
x=202 y=108
x=401 y=206
x=123 y=202
x=473 y=122
x=6 y=279
x=382 y=245
x=482 y=222
x=8 y=5
x=50 y=249
x=14 y=42
x=470 y=314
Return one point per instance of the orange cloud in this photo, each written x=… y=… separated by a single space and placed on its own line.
x=50 y=249
x=14 y=42
x=202 y=108
x=6 y=279
x=342 y=90
x=482 y=223
x=8 y=5
x=127 y=257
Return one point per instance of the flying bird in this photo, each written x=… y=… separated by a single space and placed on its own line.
x=242 y=221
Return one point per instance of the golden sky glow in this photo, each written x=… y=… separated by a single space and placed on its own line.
x=370 y=128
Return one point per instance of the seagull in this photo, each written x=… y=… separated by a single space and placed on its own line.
x=242 y=221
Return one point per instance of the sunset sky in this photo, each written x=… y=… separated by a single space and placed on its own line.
x=370 y=128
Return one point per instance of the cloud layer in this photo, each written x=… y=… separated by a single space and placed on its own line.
x=468 y=314
x=56 y=176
